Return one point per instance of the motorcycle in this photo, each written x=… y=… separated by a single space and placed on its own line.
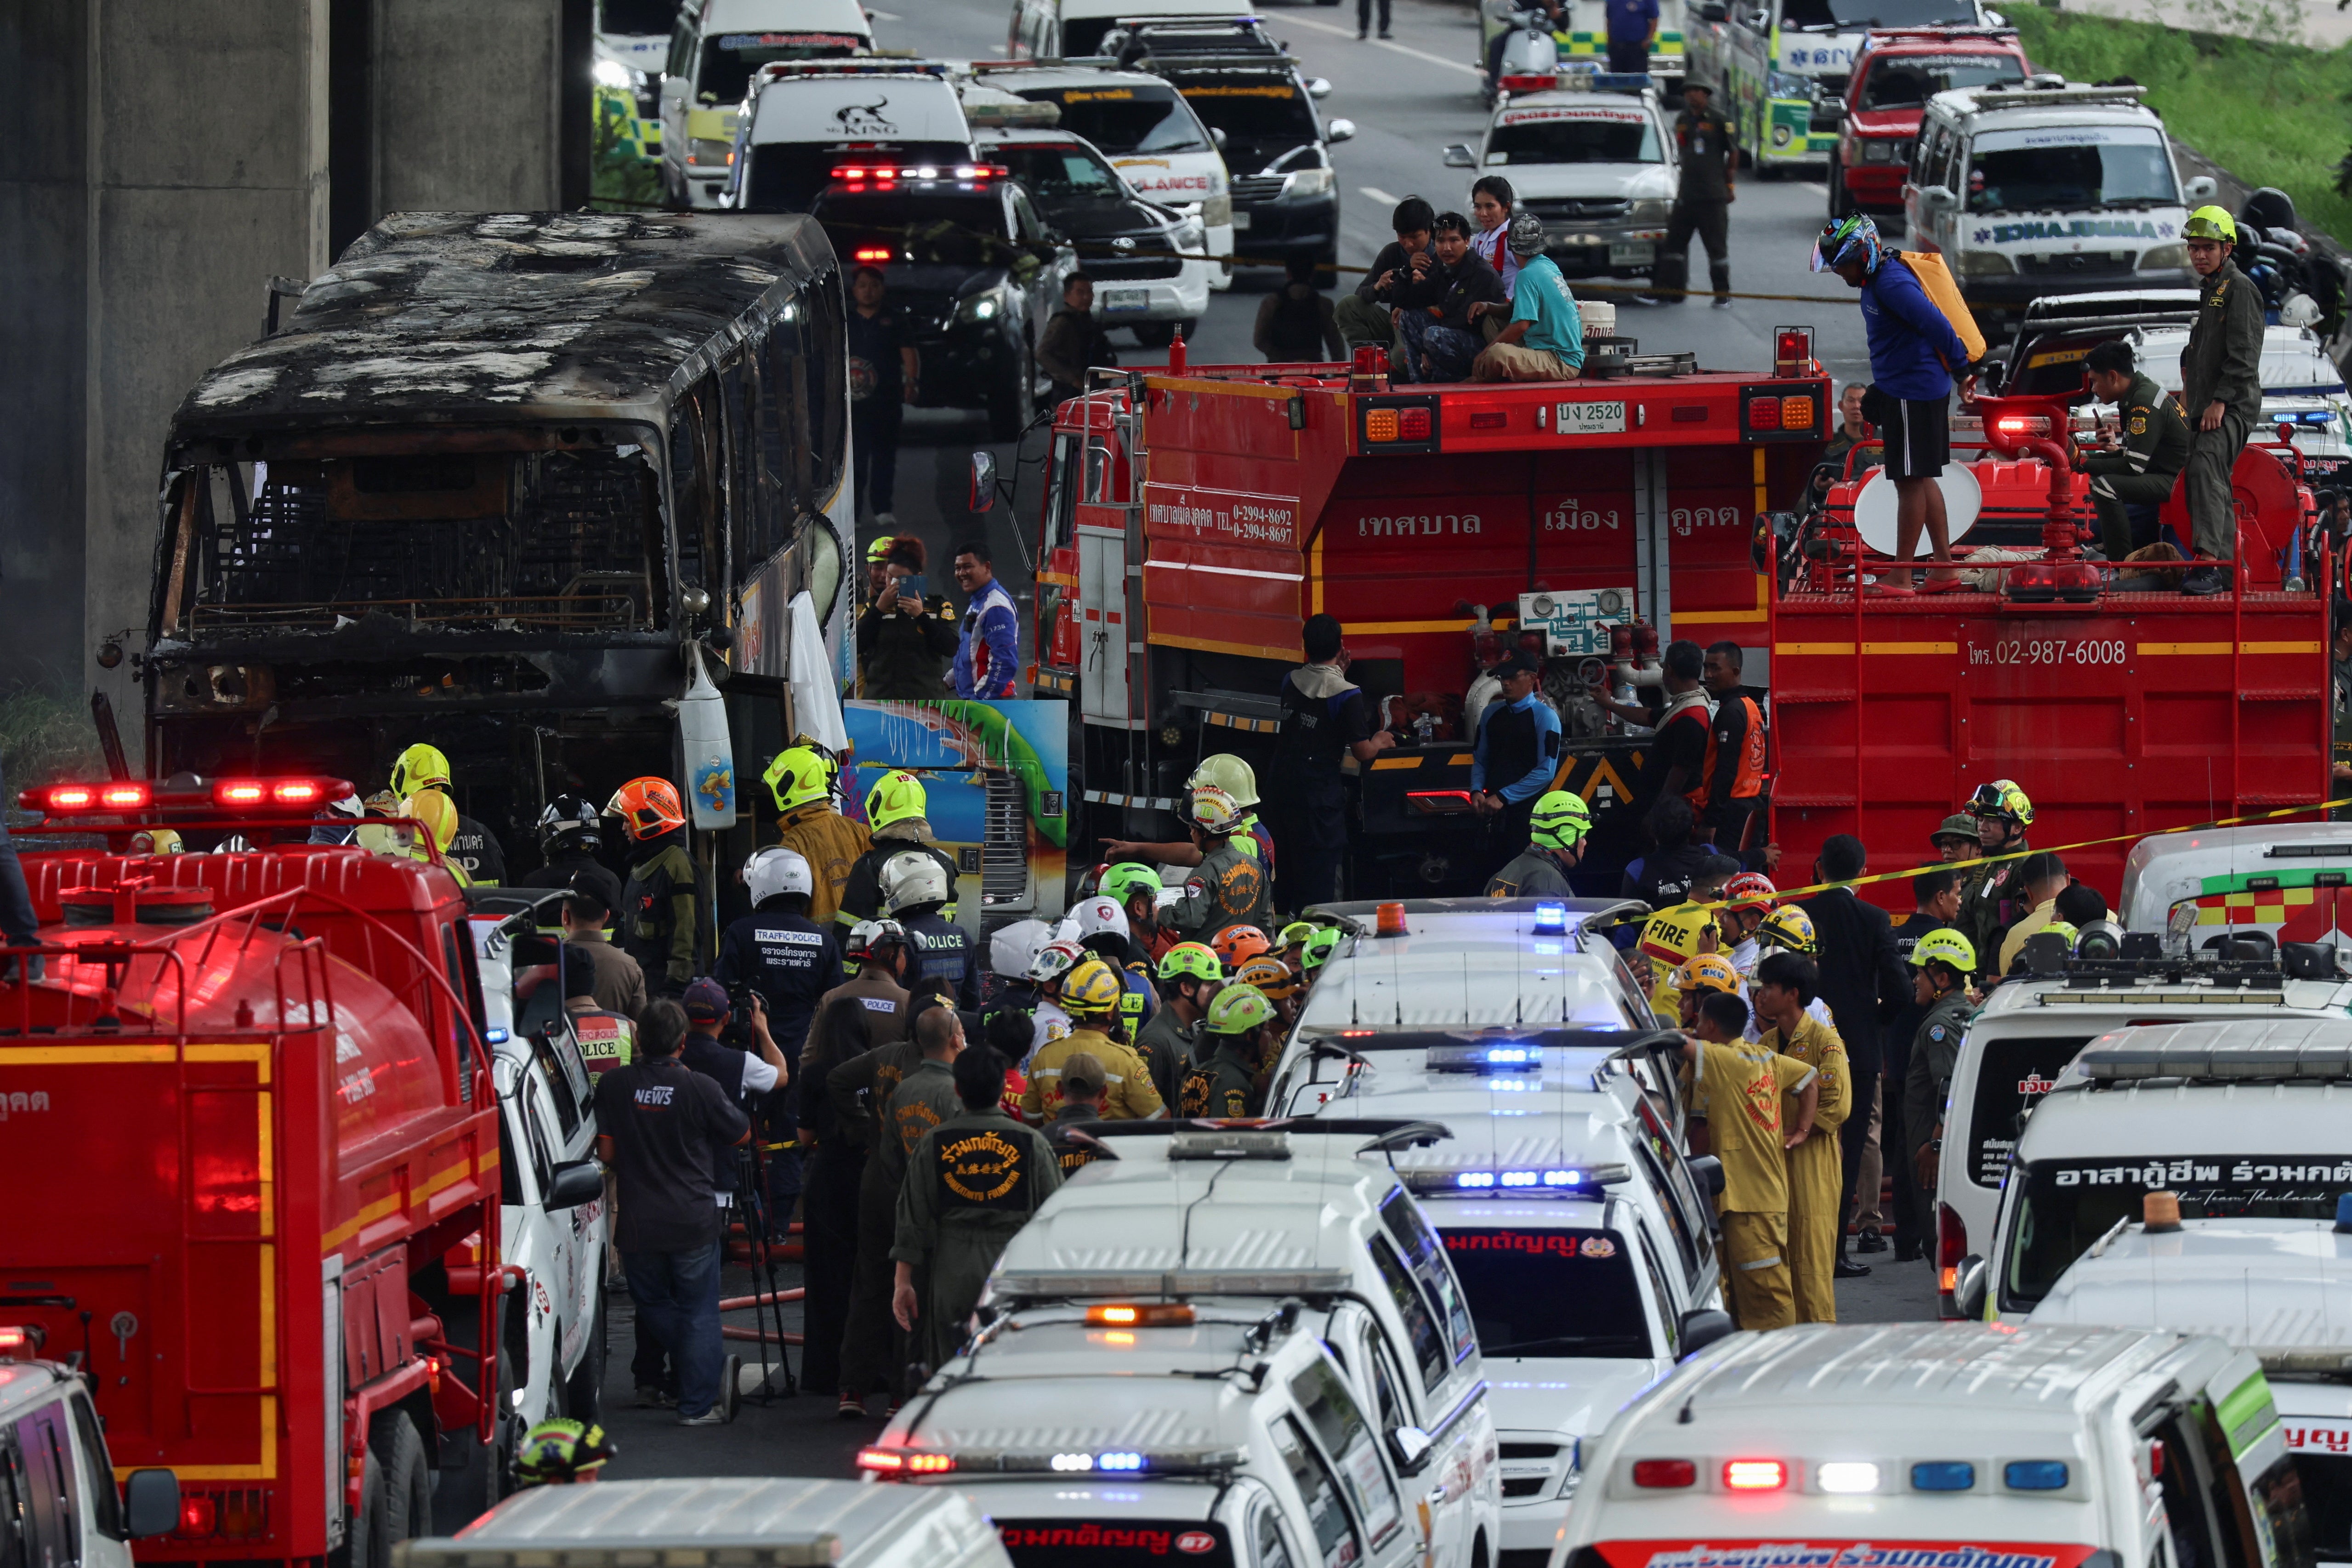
x=1528 y=48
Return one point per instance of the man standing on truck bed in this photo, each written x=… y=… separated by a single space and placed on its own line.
x=1325 y=717
x=1517 y=748
x=2220 y=390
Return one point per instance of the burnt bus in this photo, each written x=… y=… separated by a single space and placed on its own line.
x=487 y=486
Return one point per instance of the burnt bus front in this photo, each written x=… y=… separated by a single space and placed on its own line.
x=397 y=521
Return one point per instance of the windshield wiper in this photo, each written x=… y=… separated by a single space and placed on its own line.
x=1583 y=1344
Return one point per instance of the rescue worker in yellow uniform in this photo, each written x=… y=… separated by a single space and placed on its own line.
x=1744 y=1087
x=971 y=1184
x=1670 y=939
x=433 y=809
x=423 y=770
x=1784 y=983
x=1090 y=994
x=656 y=916
x=1707 y=972
x=1225 y=1082
x=800 y=779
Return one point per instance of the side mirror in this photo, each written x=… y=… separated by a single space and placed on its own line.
x=2202 y=188
x=1217 y=134
x=1707 y=1171
x=1412 y=1446
x=1759 y=21
x=1969 y=1283
x=575 y=1182
x=1834 y=110
x=1938 y=198
x=983 y=482
x=1702 y=1328
x=1338 y=131
x=1459 y=156
x=151 y=1503
x=1318 y=86
x=1995 y=19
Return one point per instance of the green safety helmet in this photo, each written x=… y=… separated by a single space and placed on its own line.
x=419 y=765
x=1296 y=933
x=1945 y=946
x=1227 y=773
x=1560 y=820
x=1128 y=877
x=2065 y=928
x=879 y=550
x=896 y=796
x=799 y=775
x=1237 y=1009
x=1319 y=948
x=1959 y=825
x=2211 y=223
x=1190 y=961
x=561 y=1450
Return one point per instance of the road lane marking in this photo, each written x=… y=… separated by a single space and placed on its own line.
x=1292 y=19
x=1375 y=193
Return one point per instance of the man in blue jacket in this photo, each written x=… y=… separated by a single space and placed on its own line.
x=1516 y=753
x=1913 y=355
x=987 y=653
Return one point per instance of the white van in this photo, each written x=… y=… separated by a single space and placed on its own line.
x=2287 y=881
x=714 y=50
x=801 y=122
x=1146 y=129
x=2247 y=1118
x=1074 y=29
x=2280 y=1288
x=740 y=1521
x=1184 y=1214
x=59 y=1502
x=2030 y=192
x=1920 y=1446
x=2030 y=1029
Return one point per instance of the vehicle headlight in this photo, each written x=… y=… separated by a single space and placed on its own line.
x=613 y=73
x=1878 y=150
x=1785 y=84
x=1217 y=211
x=1307 y=181
x=1649 y=210
x=704 y=154
x=1985 y=264
x=2158 y=258
x=981 y=307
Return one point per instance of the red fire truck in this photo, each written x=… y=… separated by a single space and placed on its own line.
x=1897 y=71
x=255 y=1163
x=1195 y=516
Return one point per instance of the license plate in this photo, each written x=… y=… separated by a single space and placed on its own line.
x=1126 y=300
x=1633 y=253
x=1590 y=418
x=1241 y=221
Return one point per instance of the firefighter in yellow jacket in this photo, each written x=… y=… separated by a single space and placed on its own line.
x=1090 y=994
x=801 y=778
x=1783 y=984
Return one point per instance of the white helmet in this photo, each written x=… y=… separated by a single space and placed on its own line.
x=1015 y=947
x=1093 y=916
x=2299 y=310
x=868 y=935
x=1055 y=960
x=913 y=877
x=777 y=870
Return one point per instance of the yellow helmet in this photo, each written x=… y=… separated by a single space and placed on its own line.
x=419 y=765
x=1227 y=773
x=1708 y=972
x=1090 y=989
x=2211 y=223
x=436 y=812
x=1945 y=946
x=1789 y=927
x=799 y=775
x=896 y=796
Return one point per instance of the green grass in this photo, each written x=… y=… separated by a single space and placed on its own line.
x=2272 y=114
x=44 y=738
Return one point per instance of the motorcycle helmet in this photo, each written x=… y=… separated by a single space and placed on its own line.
x=569 y=822
x=911 y=879
x=775 y=871
x=866 y=936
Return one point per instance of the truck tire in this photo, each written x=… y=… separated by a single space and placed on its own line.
x=584 y=1398
x=398 y=1454
x=364 y=1545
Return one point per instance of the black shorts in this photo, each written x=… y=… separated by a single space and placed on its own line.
x=1918 y=437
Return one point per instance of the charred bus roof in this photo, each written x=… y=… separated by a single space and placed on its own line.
x=457 y=319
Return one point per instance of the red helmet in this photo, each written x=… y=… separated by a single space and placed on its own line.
x=1749 y=890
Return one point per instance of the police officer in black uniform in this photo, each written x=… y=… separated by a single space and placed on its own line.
x=917 y=890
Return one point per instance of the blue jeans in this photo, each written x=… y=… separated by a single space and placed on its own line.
x=1449 y=349
x=676 y=1295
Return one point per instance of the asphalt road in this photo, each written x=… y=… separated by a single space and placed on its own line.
x=1408 y=97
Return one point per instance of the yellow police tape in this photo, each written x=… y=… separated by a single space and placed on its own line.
x=2053 y=849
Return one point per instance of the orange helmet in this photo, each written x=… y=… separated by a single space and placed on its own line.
x=1274 y=978
x=1237 y=944
x=646 y=806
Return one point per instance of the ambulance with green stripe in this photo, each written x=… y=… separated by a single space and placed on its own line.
x=2285 y=880
x=1583 y=37
x=1779 y=67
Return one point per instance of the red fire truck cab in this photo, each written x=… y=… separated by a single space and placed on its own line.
x=255 y=1160
x=1195 y=516
x=1898 y=70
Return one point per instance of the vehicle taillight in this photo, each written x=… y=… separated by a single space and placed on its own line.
x=1754 y=1474
x=1796 y=414
x=1412 y=424
x=1951 y=1245
x=1489 y=419
x=1662 y=1474
x=1763 y=413
x=198 y=1516
x=1380 y=424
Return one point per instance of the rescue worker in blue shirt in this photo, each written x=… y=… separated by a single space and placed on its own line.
x=988 y=643
x=917 y=890
x=1915 y=357
x=1633 y=33
x=1516 y=752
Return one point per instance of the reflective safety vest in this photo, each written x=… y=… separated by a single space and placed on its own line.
x=1746 y=769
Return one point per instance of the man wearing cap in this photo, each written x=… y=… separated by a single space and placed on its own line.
x=1071 y=1132
x=1545 y=341
x=1516 y=753
x=1555 y=844
x=2220 y=392
x=1956 y=839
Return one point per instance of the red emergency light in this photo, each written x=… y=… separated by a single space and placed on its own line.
x=1792 y=351
x=119 y=796
x=18 y=1341
x=1529 y=83
x=872 y=254
x=1665 y=1474
x=273 y=791
x=1754 y=1474
x=903 y=1462
x=887 y=176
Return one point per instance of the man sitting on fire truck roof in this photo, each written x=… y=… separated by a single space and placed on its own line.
x=2133 y=476
x=1434 y=325
x=1517 y=751
x=1364 y=316
x=1545 y=341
